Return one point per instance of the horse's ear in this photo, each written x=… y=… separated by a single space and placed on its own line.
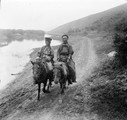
x=32 y=62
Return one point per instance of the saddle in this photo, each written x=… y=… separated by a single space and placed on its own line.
x=48 y=65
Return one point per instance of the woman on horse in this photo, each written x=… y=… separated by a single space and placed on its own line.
x=46 y=55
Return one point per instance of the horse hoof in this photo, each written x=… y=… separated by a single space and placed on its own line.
x=62 y=93
x=70 y=83
x=50 y=84
x=38 y=99
x=44 y=91
x=47 y=91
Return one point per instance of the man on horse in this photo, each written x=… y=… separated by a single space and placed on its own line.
x=46 y=55
x=64 y=54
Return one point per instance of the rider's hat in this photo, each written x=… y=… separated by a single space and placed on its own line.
x=47 y=37
x=63 y=36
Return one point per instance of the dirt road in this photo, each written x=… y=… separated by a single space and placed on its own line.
x=18 y=102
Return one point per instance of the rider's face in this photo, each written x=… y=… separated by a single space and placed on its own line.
x=47 y=42
x=65 y=39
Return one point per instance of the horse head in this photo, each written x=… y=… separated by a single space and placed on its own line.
x=60 y=72
x=57 y=74
x=37 y=69
x=40 y=75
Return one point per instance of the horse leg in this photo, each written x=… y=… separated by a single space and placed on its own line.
x=50 y=78
x=44 y=90
x=48 y=86
x=39 y=88
x=63 y=85
x=62 y=88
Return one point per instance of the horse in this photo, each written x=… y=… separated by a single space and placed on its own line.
x=41 y=75
x=61 y=75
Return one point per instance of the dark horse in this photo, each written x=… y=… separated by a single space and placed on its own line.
x=41 y=75
x=61 y=75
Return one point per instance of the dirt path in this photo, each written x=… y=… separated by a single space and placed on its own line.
x=53 y=106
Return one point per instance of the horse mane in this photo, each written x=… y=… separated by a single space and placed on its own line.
x=39 y=61
x=62 y=66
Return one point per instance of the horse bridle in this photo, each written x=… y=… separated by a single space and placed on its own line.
x=40 y=67
x=62 y=72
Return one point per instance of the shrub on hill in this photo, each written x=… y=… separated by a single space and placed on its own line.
x=120 y=41
x=109 y=90
x=109 y=82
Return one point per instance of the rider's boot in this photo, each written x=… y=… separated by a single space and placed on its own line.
x=73 y=75
x=74 y=78
x=69 y=81
x=50 y=83
x=51 y=78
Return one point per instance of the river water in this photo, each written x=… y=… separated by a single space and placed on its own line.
x=14 y=56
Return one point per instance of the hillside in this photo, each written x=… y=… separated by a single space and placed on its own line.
x=99 y=27
x=84 y=23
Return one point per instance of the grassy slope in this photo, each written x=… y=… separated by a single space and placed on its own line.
x=88 y=21
x=108 y=91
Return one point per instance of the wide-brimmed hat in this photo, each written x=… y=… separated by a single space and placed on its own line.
x=47 y=37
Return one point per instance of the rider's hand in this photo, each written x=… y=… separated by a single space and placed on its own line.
x=39 y=54
x=58 y=59
x=68 y=60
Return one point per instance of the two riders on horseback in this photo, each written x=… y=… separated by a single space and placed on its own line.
x=45 y=69
x=64 y=55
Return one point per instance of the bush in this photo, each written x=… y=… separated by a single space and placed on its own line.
x=120 y=43
x=109 y=90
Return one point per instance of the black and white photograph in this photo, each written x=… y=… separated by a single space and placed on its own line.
x=63 y=59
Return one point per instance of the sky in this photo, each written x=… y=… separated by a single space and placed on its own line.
x=49 y=14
